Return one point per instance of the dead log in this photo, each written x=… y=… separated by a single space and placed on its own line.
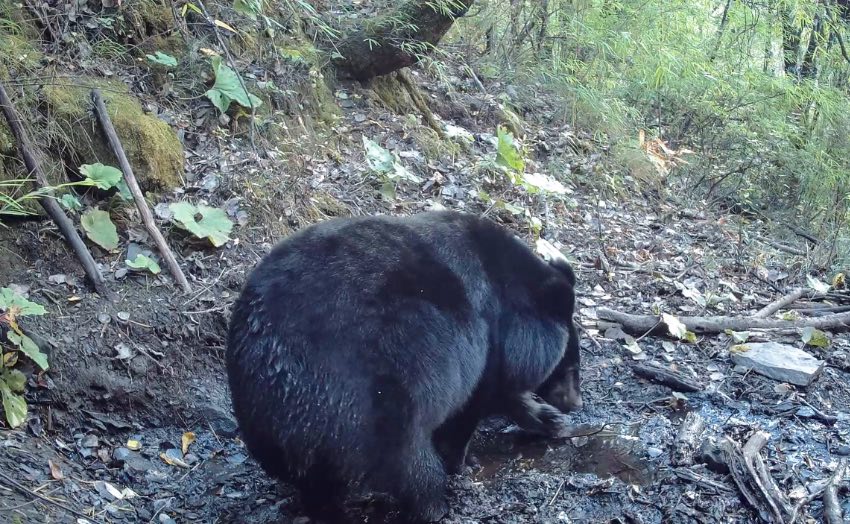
x=640 y=324
x=667 y=377
x=133 y=185
x=780 y=303
x=51 y=207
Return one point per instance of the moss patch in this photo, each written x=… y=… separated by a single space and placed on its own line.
x=152 y=147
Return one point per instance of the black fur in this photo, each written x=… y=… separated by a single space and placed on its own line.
x=365 y=351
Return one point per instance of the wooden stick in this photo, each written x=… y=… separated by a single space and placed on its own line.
x=672 y=379
x=639 y=324
x=51 y=207
x=133 y=185
x=780 y=303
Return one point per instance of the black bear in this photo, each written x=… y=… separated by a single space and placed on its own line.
x=363 y=352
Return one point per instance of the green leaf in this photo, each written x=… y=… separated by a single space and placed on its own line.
x=104 y=177
x=227 y=88
x=162 y=59
x=378 y=158
x=385 y=163
x=70 y=202
x=249 y=8
x=13 y=378
x=815 y=337
x=9 y=299
x=507 y=153
x=144 y=262
x=203 y=221
x=29 y=348
x=14 y=406
x=100 y=229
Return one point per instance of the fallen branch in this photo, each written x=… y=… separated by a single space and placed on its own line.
x=754 y=481
x=639 y=324
x=829 y=489
x=672 y=379
x=780 y=303
x=51 y=207
x=831 y=505
x=133 y=185
x=782 y=247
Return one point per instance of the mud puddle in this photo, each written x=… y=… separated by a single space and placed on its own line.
x=612 y=450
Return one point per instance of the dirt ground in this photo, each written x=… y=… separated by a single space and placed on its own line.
x=130 y=379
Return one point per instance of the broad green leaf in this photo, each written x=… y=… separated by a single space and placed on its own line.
x=13 y=378
x=815 y=337
x=507 y=153
x=100 y=229
x=14 y=406
x=162 y=59
x=26 y=346
x=104 y=177
x=9 y=299
x=144 y=262
x=203 y=221
x=385 y=163
x=817 y=285
x=70 y=202
x=378 y=158
x=674 y=326
x=227 y=88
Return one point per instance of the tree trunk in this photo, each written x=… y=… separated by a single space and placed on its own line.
x=398 y=39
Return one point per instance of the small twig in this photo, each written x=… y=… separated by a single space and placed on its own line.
x=26 y=491
x=232 y=63
x=48 y=202
x=696 y=478
x=133 y=185
x=557 y=492
x=780 y=303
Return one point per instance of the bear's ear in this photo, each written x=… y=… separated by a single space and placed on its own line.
x=556 y=259
x=557 y=299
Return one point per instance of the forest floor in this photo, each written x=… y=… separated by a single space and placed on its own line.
x=133 y=422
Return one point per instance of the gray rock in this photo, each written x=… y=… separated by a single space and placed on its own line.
x=778 y=361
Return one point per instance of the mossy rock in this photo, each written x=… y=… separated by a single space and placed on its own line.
x=152 y=147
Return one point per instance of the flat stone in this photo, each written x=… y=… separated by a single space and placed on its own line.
x=778 y=361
